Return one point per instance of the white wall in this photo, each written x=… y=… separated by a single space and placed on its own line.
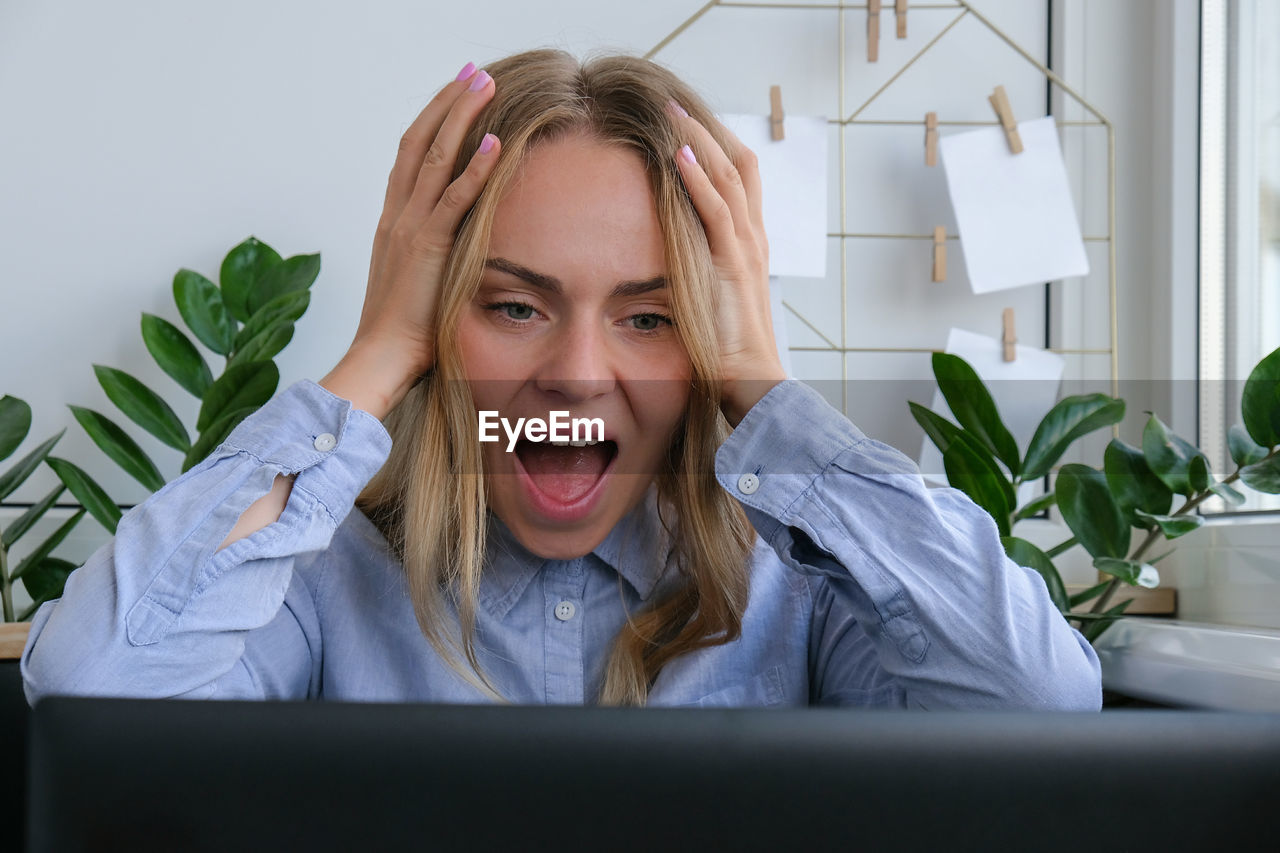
x=141 y=137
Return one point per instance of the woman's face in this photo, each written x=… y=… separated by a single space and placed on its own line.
x=573 y=315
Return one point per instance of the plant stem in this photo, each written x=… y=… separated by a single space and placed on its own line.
x=6 y=592
x=1061 y=546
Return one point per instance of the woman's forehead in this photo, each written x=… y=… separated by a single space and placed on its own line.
x=581 y=207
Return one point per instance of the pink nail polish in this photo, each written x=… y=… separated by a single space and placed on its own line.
x=466 y=72
x=687 y=153
x=481 y=80
x=677 y=109
x=486 y=144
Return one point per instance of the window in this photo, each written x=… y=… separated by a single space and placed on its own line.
x=1239 y=213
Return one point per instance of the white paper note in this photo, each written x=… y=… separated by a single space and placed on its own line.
x=1017 y=222
x=793 y=174
x=1024 y=390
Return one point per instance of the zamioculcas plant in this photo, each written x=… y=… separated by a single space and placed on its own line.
x=248 y=318
x=1136 y=487
x=41 y=573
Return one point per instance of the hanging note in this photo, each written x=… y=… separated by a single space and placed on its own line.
x=1014 y=212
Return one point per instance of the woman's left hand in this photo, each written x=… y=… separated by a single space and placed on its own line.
x=728 y=201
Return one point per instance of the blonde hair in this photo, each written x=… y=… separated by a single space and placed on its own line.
x=429 y=499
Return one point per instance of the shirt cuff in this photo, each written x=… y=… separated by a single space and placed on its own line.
x=785 y=442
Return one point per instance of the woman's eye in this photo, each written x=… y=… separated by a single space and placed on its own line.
x=649 y=322
x=516 y=310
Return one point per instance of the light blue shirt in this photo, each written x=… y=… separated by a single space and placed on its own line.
x=867 y=587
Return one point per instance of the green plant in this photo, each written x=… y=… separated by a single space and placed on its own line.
x=248 y=318
x=1134 y=488
x=42 y=574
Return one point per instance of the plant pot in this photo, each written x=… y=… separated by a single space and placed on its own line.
x=13 y=638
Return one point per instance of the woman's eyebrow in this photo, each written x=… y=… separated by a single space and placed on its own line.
x=552 y=284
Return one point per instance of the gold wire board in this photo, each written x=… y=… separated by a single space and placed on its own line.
x=851 y=118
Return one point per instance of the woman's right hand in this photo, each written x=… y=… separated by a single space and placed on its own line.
x=394 y=343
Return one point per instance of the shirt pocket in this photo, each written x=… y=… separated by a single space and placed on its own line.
x=761 y=691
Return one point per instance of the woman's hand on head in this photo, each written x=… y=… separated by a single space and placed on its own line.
x=728 y=200
x=394 y=343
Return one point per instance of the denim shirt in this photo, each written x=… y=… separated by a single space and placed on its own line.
x=866 y=587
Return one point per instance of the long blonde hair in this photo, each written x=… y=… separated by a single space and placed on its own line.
x=429 y=499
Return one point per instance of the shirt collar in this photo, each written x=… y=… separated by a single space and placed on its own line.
x=638 y=548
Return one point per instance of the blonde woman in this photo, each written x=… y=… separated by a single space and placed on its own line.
x=583 y=239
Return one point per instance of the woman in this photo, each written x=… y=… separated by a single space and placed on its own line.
x=585 y=240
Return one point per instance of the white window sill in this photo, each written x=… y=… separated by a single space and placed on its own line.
x=1192 y=664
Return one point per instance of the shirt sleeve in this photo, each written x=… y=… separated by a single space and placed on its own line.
x=915 y=603
x=159 y=612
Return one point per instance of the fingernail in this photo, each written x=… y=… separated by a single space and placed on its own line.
x=687 y=153
x=482 y=80
x=677 y=109
x=466 y=72
x=486 y=144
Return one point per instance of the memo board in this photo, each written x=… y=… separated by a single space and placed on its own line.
x=837 y=18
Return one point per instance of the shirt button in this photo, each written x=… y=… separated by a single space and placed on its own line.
x=748 y=483
x=565 y=611
x=325 y=442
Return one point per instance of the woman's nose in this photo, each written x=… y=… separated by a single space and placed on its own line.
x=577 y=364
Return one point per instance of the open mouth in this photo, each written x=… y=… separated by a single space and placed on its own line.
x=564 y=473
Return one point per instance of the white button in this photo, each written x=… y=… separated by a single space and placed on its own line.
x=748 y=483
x=565 y=611
x=325 y=442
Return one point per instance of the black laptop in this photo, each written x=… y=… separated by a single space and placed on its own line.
x=165 y=775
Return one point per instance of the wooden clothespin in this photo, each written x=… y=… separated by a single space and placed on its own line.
x=940 y=253
x=1004 y=111
x=931 y=139
x=775 y=113
x=1009 y=337
x=873 y=30
x=900 y=7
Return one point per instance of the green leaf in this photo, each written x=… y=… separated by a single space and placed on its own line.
x=1132 y=572
x=122 y=449
x=284 y=310
x=176 y=355
x=1133 y=484
x=1036 y=506
x=46 y=547
x=1260 y=401
x=1173 y=526
x=1026 y=554
x=1243 y=450
x=46 y=581
x=1089 y=510
x=263 y=347
x=1169 y=456
x=941 y=431
x=294 y=274
x=1227 y=493
x=1094 y=631
x=22 y=469
x=215 y=435
x=90 y=494
x=1085 y=596
x=1198 y=473
x=243 y=386
x=1069 y=420
x=23 y=523
x=15 y=423
x=1263 y=476
x=973 y=407
x=143 y=406
x=974 y=472
x=243 y=272
x=202 y=309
